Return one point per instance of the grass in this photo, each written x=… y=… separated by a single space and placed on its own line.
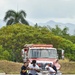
x=14 y=67
x=67 y=67
x=10 y=67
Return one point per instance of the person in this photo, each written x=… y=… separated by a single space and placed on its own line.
x=54 y=67
x=50 y=69
x=28 y=61
x=24 y=53
x=33 y=68
x=24 y=69
x=28 y=64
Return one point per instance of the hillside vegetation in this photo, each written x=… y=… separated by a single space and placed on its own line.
x=14 y=37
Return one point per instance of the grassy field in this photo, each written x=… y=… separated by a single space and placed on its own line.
x=12 y=67
x=67 y=67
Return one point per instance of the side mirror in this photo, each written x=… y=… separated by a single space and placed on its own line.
x=60 y=54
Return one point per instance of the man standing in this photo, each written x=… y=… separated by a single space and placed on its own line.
x=33 y=68
x=50 y=69
x=24 y=69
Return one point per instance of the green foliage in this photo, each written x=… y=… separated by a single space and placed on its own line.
x=1 y=52
x=71 y=38
x=6 y=55
x=58 y=31
x=14 y=37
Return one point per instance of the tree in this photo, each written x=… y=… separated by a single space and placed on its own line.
x=14 y=37
x=57 y=30
x=1 y=52
x=65 y=30
x=6 y=55
x=13 y=17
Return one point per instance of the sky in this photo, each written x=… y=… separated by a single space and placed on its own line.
x=42 y=10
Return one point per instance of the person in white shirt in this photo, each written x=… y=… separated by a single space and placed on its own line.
x=50 y=70
x=33 y=68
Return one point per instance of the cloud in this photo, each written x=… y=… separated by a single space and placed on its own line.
x=40 y=9
x=54 y=9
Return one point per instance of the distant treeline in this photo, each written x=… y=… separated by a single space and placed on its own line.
x=14 y=37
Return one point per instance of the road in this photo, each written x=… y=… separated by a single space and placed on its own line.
x=19 y=74
x=39 y=74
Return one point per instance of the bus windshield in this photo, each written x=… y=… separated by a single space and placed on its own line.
x=43 y=53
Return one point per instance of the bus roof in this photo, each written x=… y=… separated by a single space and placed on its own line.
x=39 y=45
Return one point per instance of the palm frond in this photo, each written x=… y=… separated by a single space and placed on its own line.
x=9 y=14
x=24 y=21
x=10 y=21
x=22 y=13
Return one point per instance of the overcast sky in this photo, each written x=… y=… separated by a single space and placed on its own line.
x=42 y=10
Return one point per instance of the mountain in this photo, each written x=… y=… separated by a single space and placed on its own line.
x=52 y=24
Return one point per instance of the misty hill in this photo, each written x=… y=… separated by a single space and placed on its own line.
x=52 y=24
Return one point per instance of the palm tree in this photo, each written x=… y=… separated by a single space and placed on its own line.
x=13 y=17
